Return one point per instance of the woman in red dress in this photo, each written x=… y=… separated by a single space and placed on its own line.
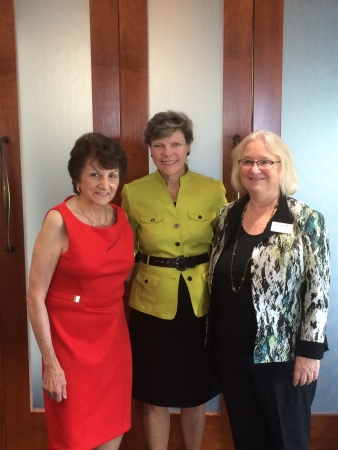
x=81 y=258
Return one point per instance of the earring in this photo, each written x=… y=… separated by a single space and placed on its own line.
x=151 y=154
x=188 y=153
x=78 y=189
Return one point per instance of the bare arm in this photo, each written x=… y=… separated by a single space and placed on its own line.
x=51 y=242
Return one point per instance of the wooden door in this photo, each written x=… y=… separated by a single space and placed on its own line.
x=120 y=109
x=20 y=429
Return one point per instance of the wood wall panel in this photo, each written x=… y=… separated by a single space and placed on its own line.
x=268 y=61
x=253 y=51
x=237 y=79
x=2 y=394
x=134 y=84
x=324 y=432
x=133 y=22
x=119 y=48
x=18 y=431
x=104 y=29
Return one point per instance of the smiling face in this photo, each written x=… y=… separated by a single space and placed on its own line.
x=170 y=154
x=98 y=186
x=255 y=179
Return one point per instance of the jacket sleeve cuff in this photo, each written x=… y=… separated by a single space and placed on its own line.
x=313 y=350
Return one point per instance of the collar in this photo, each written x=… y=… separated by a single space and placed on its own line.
x=283 y=212
x=281 y=215
x=235 y=214
x=184 y=178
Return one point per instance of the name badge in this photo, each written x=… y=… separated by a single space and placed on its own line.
x=280 y=227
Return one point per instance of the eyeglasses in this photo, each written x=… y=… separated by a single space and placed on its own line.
x=263 y=164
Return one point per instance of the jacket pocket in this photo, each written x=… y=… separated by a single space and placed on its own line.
x=152 y=224
x=199 y=222
x=147 y=287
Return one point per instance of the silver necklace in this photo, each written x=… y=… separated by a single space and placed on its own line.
x=92 y=223
x=233 y=287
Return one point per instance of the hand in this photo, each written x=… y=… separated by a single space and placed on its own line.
x=54 y=383
x=306 y=370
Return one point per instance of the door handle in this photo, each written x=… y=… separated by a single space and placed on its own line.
x=6 y=194
x=236 y=139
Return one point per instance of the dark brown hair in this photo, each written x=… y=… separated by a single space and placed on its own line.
x=96 y=147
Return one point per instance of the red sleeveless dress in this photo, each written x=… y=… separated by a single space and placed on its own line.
x=90 y=334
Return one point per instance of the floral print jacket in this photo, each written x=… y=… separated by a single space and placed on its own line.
x=290 y=280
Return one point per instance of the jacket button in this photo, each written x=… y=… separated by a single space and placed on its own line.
x=176 y=225
x=152 y=220
x=146 y=281
x=200 y=217
x=177 y=244
x=189 y=278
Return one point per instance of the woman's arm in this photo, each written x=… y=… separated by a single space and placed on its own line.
x=51 y=242
x=310 y=347
x=315 y=300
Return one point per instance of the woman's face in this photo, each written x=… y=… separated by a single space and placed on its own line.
x=98 y=186
x=170 y=154
x=257 y=180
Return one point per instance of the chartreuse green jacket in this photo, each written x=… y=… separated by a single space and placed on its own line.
x=165 y=230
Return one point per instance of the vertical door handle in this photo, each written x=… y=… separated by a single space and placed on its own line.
x=6 y=194
x=236 y=139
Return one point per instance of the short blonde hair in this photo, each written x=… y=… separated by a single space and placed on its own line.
x=275 y=145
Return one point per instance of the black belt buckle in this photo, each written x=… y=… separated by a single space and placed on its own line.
x=181 y=263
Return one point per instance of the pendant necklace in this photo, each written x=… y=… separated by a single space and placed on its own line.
x=233 y=287
x=92 y=224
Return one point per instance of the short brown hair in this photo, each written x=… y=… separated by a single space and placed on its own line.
x=107 y=152
x=164 y=124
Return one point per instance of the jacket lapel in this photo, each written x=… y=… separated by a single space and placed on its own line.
x=282 y=215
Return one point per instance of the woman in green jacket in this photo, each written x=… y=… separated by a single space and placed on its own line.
x=173 y=213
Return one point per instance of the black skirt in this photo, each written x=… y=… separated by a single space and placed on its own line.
x=171 y=365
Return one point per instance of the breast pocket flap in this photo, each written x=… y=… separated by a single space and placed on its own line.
x=152 y=218
x=199 y=216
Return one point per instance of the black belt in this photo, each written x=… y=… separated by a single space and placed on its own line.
x=180 y=263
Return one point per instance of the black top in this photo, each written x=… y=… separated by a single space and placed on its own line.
x=235 y=316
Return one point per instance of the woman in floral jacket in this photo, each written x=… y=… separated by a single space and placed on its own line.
x=269 y=281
